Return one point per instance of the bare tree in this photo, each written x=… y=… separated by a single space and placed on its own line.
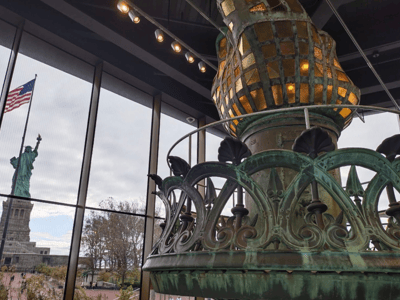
x=114 y=238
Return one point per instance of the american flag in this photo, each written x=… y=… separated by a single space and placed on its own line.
x=19 y=96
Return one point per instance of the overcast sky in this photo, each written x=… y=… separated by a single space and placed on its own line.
x=120 y=157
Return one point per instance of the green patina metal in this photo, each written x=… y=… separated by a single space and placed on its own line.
x=284 y=244
x=277 y=285
x=212 y=254
x=23 y=175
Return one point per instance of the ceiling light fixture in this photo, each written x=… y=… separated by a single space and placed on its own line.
x=189 y=57
x=159 y=35
x=135 y=13
x=176 y=46
x=202 y=67
x=123 y=7
x=134 y=16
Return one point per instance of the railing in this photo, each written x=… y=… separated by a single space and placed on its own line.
x=306 y=109
x=277 y=218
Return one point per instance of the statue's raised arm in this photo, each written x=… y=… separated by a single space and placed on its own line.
x=39 y=138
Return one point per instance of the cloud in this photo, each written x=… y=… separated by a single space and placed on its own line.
x=57 y=245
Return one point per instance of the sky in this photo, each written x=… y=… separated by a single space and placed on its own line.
x=120 y=156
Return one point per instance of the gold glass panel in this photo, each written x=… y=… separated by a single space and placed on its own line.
x=237 y=72
x=342 y=91
x=235 y=59
x=222 y=48
x=239 y=85
x=226 y=100
x=302 y=29
x=232 y=115
x=259 y=7
x=273 y=69
x=319 y=70
x=277 y=94
x=291 y=92
x=229 y=81
x=248 y=61
x=315 y=35
x=341 y=76
x=243 y=44
x=288 y=67
x=336 y=63
x=221 y=67
x=294 y=6
x=252 y=76
x=224 y=75
x=232 y=127
x=329 y=72
x=237 y=111
x=231 y=26
x=304 y=93
x=353 y=99
x=228 y=6
x=303 y=47
x=222 y=109
x=337 y=102
x=345 y=112
x=264 y=31
x=218 y=89
x=224 y=88
x=230 y=93
x=284 y=29
x=269 y=50
x=318 y=93
x=287 y=48
x=246 y=105
x=329 y=93
x=318 y=53
x=259 y=99
x=214 y=97
x=304 y=67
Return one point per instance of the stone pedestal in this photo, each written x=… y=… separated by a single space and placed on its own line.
x=18 y=227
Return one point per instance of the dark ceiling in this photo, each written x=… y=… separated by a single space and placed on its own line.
x=98 y=27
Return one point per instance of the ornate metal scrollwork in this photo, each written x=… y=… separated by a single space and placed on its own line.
x=268 y=225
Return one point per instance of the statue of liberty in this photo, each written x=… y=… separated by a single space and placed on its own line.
x=25 y=169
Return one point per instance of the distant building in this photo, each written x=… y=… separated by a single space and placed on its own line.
x=19 y=251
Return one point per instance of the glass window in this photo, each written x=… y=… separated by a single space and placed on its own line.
x=59 y=113
x=213 y=142
x=111 y=250
x=7 y=33
x=121 y=149
x=40 y=243
x=358 y=135
x=171 y=130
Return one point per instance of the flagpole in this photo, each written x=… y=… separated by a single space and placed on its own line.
x=3 y=239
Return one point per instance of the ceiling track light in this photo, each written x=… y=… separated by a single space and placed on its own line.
x=159 y=35
x=189 y=57
x=176 y=46
x=123 y=7
x=135 y=13
x=202 y=67
x=134 y=16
